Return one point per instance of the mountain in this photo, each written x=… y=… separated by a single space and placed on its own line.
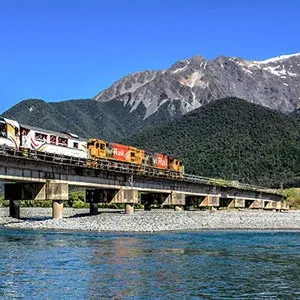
x=191 y=83
x=232 y=139
x=86 y=118
x=150 y=98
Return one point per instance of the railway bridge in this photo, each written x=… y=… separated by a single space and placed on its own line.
x=40 y=177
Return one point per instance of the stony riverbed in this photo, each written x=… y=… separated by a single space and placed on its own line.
x=151 y=221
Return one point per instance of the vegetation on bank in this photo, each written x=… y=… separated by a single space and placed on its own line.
x=293 y=197
x=76 y=200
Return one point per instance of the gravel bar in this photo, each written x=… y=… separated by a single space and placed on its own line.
x=151 y=221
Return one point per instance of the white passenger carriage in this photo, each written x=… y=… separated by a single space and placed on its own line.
x=60 y=143
x=15 y=135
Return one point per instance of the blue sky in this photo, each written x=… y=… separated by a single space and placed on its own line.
x=67 y=49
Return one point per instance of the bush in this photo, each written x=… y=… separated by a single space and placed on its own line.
x=4 y=203
x=80 y=204
x=75 y=199
x=293 y=197
x=36 y=203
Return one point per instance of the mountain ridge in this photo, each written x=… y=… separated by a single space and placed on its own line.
x=274 y=83
x=86 y=118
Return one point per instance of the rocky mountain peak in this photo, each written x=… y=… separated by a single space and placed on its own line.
x=193 y=82
x=196 y=60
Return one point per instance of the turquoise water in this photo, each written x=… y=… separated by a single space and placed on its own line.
x=196 y=265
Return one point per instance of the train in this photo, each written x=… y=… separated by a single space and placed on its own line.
x=93 y=151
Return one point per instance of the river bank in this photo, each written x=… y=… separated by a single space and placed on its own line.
x=151 y=221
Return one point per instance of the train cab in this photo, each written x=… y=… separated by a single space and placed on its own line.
x=98 y=148
x=9 y=133
x=175 y=165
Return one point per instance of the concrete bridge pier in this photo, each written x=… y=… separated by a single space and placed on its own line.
x=14 y=192
x=210 y=201
x=50 y=190
x=57 y=209
x=147 y=206
x=93 y=197
x=192 y=202
x=284 y=205
x=94 y=208
x=273 y=205
x=129 y=209
x=237 y=203
x=129 y=197
x=175 y=199
x=225 y=202
x=14 y=209
x=257 y=204
x=57 y=192
x=177 y=208
x=147 y=199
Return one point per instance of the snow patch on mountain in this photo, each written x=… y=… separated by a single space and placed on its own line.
x=276 y=59
x=275 y=71
x=180 y=69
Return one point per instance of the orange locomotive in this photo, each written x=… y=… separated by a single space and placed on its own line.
x=117 y=152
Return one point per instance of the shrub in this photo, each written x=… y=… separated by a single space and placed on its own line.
x=75 y=198
x=3 y=203
x=293 y=197
x=80 y=204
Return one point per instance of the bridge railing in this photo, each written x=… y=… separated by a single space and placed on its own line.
x=126 y=168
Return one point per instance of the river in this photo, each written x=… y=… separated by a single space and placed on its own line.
x=181 y=265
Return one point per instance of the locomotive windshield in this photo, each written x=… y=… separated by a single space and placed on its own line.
x=3 y=130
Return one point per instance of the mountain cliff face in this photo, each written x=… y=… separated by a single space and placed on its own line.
x=191 y=83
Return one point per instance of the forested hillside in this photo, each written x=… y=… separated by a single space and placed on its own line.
x=233 y=139
x=87 y=118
